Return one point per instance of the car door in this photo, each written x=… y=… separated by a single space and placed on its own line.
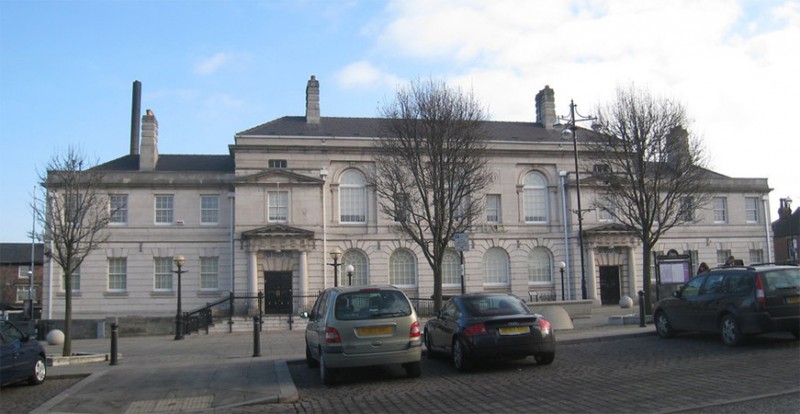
x=443 y=326
x=707 y=305
x=13 y=352
x=681 y=310
x=316 y=324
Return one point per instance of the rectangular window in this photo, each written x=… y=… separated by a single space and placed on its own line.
x=164 y=212
x=209 y=273
x=277 y=164
x=209 y=209
x=75 y=281
x=117 y=273
x=751 y=209
x=23 y=293
x=687 y=209
x=401 y=208
x=278 y=206
x=722 y=256
x=22 y=272
x=74 y=209
x=604 y=215
x=493 y=212
x=720 y=210
x=162 y=279
x=118 y=205
x=756 y=256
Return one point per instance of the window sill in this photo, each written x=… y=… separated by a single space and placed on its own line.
x=116 y=294
x=162 y=293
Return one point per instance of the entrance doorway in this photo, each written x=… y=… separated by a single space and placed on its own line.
x=277 y=292
x=609 y=285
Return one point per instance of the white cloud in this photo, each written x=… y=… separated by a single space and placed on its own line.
x=211 y=65
x=363 y=74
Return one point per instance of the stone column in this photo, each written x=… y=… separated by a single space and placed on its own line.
x=252 y=281
x=303 y=276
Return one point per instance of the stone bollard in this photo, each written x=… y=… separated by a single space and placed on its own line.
x=114 y=339
x=641 y=309
x=256 y=337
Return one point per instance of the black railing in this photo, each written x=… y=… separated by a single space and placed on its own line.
x=224 y=308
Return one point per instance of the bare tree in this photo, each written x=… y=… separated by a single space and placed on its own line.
x=73 y=213
x=650 y=172
x=430 y=167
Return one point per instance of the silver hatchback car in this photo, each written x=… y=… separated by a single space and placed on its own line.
x=362 y=326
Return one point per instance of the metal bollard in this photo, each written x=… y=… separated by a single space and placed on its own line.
x=641 y=309
x=114 y=340
x=256 y=337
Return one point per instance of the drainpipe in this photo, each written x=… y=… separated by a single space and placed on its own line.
x=563 y=175
x=767 y=224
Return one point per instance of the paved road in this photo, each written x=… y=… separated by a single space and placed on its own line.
x=691 y=373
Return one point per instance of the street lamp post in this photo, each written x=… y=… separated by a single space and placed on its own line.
x=179 y=261
x=571 y=129
x=336 y=254
x=561 y=266
x=349 y=269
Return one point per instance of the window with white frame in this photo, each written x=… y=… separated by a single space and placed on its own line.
x=403 y=268
x=493 y=211
x=720 y=209
x=360 y=276
x=451 y=268
x=75 y=280
x=209 y=273
x=723 y=255
x=209 y=209
x=276 y=163
x=402 y=208
x=540 y=266
x=756 y=256
x=278 y=206
x=604 y=215
x=495 y=267
x=534 y=198
x=118 y=206
x=751 y=209
x=162 y=273
x=23 y=272
x=353 y=197
x=74 y=210
x=687 y=209
x=164 y=209
x=23 y=293
x=117 y=274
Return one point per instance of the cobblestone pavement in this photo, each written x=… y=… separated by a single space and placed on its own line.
x=691 y=373
x=23 y=398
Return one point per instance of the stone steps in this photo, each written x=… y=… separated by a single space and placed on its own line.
x=245 y=324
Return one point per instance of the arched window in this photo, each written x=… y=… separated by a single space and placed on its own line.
x=540 y=266
x=353 y=197
x=360 y=275
x=534 y=198
x=495 y=267
x=403 y=268
x=451 y=268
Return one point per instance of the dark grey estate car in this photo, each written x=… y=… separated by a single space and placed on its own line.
x=734 y=301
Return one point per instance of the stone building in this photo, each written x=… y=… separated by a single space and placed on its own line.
x=266 y=216
x=15 y=278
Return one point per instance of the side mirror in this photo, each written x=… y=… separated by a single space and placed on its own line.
x=304 y=315
x=677 y=293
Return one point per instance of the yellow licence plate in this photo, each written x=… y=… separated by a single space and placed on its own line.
x=374 y=330
x=516 y=330
x=793 y=300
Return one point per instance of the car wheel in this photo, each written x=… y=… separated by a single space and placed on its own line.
x=663 y=326
x=413 y=369
x=729 y=330
x=39 y=372
x=545 y=359
x=460 y=357
x=429 y=349
x=327 y=375
x=310 y=361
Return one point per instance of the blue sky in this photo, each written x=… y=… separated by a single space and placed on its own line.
x=212 y=68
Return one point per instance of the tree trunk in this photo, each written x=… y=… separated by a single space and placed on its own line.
x=646 y=285
x=67 y=351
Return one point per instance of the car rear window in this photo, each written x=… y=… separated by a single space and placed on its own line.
x=371 y=304
x=781 y=280
x=494 y=305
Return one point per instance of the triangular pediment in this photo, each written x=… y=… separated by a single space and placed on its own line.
x=278 y=230
x=610 y=228
x=277 y=175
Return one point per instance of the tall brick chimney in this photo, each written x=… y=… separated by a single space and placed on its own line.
x=149 y=152
x=546 y=107
x=312 y=101
x=136 y=110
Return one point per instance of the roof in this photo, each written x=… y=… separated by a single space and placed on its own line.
x=20 y=253
x=373 y=127
x=172 y=162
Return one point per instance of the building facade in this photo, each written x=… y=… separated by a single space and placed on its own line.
x=266 y=216
x=16 y=260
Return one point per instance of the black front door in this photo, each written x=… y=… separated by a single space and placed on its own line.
x=278 y=292
x=609 y=285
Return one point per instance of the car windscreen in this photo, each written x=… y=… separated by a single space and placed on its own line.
x=371 y=304
x=494 y=306
x=783 y=279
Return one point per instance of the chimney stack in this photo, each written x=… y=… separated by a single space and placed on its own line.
x=678 y=148
x=136 y=110
x=546 y=107
x=149 y=156
x=312 y=101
